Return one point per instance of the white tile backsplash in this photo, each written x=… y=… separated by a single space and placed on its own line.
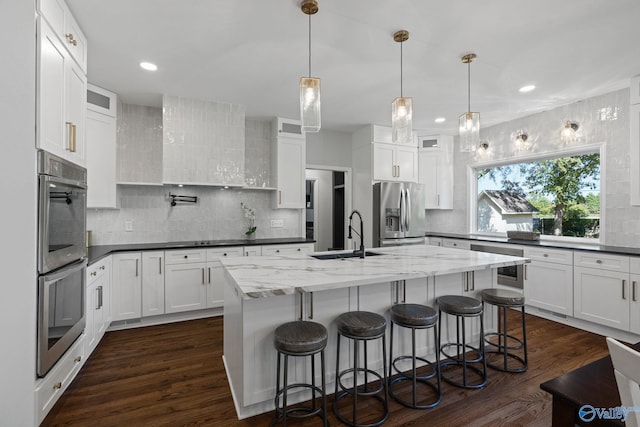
x=602 y=119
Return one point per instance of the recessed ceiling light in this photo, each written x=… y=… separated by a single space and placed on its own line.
x=440 y=120
x=527 y=88
x=148 y=66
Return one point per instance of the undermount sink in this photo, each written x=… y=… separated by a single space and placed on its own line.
x=342 y=255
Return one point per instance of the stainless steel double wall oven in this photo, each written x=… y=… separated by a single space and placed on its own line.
x=62 y=252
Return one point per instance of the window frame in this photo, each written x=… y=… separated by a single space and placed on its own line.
x=533 y=157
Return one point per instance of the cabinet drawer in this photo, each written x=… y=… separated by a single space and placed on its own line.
x=185 y=256
x=96 y=271
x=556 y=256
x=50 y=388
x=457 y=244
x=216 y=254
x=602 y=261
x=286 y=249
x=634 y=265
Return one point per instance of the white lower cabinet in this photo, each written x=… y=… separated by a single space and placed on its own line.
x=293 y=249
x=185 y=284
x=49 y=389
x=602 y=296
x=215 y=274
x=126 y=289
x=252 y=251
x=98 y=303
x=152 y=283
x=548 y=280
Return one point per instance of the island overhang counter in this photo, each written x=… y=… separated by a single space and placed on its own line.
x=264 y=292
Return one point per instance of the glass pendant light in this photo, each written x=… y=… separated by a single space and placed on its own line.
x=568 y=133
x=469 y=121
x=401 y=107
x=310 y=86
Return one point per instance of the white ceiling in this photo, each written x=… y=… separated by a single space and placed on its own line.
x=253 y=52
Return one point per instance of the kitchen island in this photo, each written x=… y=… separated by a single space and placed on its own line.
x=262 y=293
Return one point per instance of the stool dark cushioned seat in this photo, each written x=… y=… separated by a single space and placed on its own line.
x=462 y=307
x=361 y=326
x=298 y=339
x=498 y=342
x=415 y=317
x=458 y=304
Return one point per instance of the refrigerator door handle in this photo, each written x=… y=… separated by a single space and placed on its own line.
x=401 y=219
x=408 y=210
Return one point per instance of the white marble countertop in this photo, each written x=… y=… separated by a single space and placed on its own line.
x=260 y=277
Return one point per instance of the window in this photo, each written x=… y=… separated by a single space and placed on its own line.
x=555 y=196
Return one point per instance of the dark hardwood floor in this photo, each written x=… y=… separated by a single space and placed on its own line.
x=172 y=375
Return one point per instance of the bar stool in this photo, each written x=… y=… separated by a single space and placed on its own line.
x=504 y=299
x=361 y=326
x=300 y=338
x=462 y=307
x=414 y=316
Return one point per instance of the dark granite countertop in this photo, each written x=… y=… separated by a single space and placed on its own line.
x=618 y=250
x=94 y=253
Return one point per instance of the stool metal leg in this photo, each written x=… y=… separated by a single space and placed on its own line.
x=355 y=379
x=286 y=390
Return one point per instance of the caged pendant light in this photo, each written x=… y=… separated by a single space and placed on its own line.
x=469 y=121
x=401 y=107
x=310 y=86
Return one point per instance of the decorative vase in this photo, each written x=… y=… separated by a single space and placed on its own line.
x=251 y=236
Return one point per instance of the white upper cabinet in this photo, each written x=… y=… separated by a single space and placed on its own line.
x=393 y=162
x=435 y=170
x=66 y=29
x=101 y=148
x=203 y=142
x=288 y=162
x=61 y=93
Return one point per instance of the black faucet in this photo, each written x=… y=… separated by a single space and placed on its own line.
x=361 y=234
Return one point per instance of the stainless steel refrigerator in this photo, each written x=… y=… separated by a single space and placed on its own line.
x=398 y=213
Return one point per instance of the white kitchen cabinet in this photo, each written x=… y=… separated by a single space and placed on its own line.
x=49 y=389
x=288 y=162
x=548 y=279
x=203 y=142
x=152 y=283
x=252 y=251
x=393 y=162
x=635 y=90
x=98 y=303
x=435 y=241
x=101 y=152
x=61 y=93
x=215 y=274
x=456 y=243
x=64 y=25
x=602 y=296
x=435 y=171
x=293 y=249
x=634 y=152
x=126 y=291
x=634 y=308
x=185 y=280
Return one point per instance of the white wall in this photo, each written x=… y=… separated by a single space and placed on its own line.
x=18 y=183
x=602 y=119
x=329 y=148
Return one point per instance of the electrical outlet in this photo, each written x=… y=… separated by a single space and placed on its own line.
x=277 y=223
x=128 y=225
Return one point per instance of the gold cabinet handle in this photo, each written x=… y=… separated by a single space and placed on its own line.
x=69 y=135
x=99 y=298
x=94 y=273
x=102 y=267
x=159 y=265
x=57 y=386
x=71 y=40
x=203 y=275
x=633 y=290
x=78 y=359
x=624 y=282
x=209 y=275
x=74 y=140
x=280 y=197
x=136 y=268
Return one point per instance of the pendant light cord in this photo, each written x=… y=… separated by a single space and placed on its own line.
x=469 y=86
x=401 y=69
x=309 y=46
